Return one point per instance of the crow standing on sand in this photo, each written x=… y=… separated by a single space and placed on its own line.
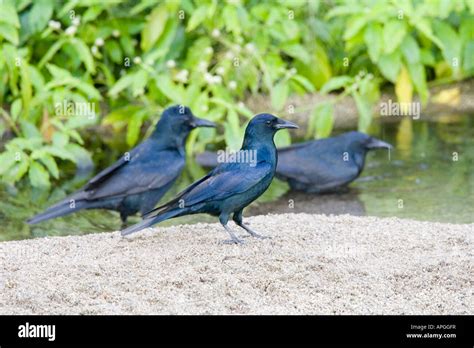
x=319 y=166
x=138 y=180
x=229 y=187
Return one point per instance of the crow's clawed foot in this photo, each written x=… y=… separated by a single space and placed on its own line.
x=234 y=241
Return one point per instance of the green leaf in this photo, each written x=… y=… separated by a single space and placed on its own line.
x=124 y=82
x=29 y=130
x=323 y=119
x=9 y=14
x=59 y=152
x=15 y=109
x=60 y=139
x=154 y=27
x=232 y=131
x=114 y=51
x=468 y=61
x=303 y=81
x=279 y=95
x=18 y=170
x=354 y=26
x=50 y=163
x=40 y=14
x=410 y=50
x=424 y=26
x=389 y=65
x=335 y=83
x=198 y=16
x=134 y=126
x=7 y=159
x=393 y=34
x=365 y=112
x=283 y=138
x=231 y=19
x=26 y=89
x=140 y=80
x=296 y=51
x=418 y=77
x=373 y=37
x=451 y=44
x=84 y=54
x=170 y=89
x=39 y=176
x=9 y=32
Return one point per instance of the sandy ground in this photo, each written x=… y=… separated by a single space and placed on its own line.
x=313 y=264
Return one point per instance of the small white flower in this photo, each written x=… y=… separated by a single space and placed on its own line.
x=202 y=66
x=208 y=78
x=220 y=70
x=293 y=71
x=116 y=33
x=250 y=47
x=94 y=50
x=229 y=55
x=76 y=21
x=137 y=60
x=54 y=25
x=232 y=84
x=182 y=76
x=216 y=33
x=170 y=64
x=71 y=31
x=217 y=79
x=208 y=50
x=99 y=42
x=241 y=105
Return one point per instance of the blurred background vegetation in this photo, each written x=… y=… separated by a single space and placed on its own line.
x=131 y=59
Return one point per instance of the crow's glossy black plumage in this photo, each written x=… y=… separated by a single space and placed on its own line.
x=229 y=187
x=320 y=166
x=138 y=180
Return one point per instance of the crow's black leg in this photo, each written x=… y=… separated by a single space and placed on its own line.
x=234 y=240
x=238 y=220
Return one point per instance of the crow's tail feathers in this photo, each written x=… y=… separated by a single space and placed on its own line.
x=149 y=221
x=60 y=209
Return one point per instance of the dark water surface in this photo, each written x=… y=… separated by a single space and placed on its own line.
x=429 y=176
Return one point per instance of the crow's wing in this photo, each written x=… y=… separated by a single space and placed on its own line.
x=144 y=171
x=221 y=183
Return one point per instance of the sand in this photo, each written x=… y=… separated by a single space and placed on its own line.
x=313 y=264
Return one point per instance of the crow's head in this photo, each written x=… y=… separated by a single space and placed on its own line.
x=177 y=121
x=363 y=142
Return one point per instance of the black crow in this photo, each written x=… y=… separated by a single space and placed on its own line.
x=138 y=180
x=322 y=165
x=232 y=185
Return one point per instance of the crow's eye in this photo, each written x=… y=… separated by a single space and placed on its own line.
x=269 y=122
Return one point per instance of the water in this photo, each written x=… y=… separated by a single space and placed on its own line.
x=429 y=176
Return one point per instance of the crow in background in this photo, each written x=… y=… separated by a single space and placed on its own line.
x=229 y=187
x=138 y=180
x=320 y=166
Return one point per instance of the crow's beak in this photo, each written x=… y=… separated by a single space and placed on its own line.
x=285 y=124
x=200 y=122
x=375 y=143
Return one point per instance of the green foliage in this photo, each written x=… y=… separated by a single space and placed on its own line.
x=127 y=60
